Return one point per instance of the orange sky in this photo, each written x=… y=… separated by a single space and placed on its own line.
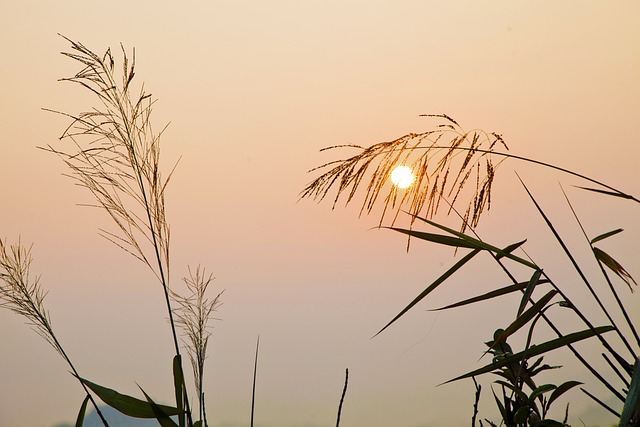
x=253 y=90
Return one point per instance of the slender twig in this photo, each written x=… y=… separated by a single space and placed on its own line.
x=253 y=387
x=344 y=392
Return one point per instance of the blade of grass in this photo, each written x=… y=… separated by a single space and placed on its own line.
x=128 y=405
x=431 y=287
x=83 y=409
x=253 y=388
x=489 y=295
x=481 y=244
x=524 y=318
x=574 y=263
x=159 y=414
x=536 y=350
x=529 y=291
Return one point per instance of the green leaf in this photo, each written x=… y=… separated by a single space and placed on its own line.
x=493 y=294
x=547 y=423
x=434 y=285
x=525 y=317
x=614 y=266
x=198 y=424
x=126 y=404
x=159 y=414
x=527 y=293
x=83 y=409
x=563 y=388
x=178 y=384
x=503 y=411
x=521 y=394
x=522 y=414
x=536 y=350
x=544 y=388
x=605 y=235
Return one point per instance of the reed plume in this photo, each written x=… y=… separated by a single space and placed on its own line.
x=445 y=160
x=193 y=313
x=23 y=295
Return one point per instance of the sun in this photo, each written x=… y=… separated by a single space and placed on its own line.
x=402 y=176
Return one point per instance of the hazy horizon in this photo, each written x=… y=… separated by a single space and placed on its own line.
x=253 y=91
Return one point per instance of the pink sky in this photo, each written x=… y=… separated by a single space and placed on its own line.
x=253 y=90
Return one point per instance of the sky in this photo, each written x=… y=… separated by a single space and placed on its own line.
x=253 y=91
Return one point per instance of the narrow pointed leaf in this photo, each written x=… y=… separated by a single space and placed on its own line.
x=544 y=388
x=536 y=350
x=562 y=389
x=512 y=247
x=434 y=285
x=83 y=409
x=610 y=193
x=527 y=293
x=501 y=407
x=128 y=405
x=525 y=317
x=178 y=384
x=521 y=394
x=159 y=414
x=436 y=238
x=601 y=403
x=615 y=266
x=489 y=295
x=605 y=235
x=480 y=244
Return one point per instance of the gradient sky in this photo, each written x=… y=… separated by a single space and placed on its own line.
x=253 y=90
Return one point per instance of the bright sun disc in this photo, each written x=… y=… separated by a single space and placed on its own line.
x=402 y=176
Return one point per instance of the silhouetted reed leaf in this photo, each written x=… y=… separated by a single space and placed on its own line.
x=512 y=247
x=562 y=389
x=524 y=318
x=128 y=405
x=521 y=394
x=614 y=266
x=489 y=295
x=83 y=409
x=605 y=235
x=535 y=279
x=536 y=350
x=480 y=244
x=434 y=285
x=609 y=193
x=178 y=383
x=159 y=413
x=436 y=238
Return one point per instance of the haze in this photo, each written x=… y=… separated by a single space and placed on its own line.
x=253 y=91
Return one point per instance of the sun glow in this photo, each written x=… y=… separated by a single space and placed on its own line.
x=402 y=176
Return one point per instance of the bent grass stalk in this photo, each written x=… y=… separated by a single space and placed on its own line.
x=25 y=297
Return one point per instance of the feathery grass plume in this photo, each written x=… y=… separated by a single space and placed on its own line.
x=444 y=161
x=25 y=297
x=193 y=313
x=114 y=152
